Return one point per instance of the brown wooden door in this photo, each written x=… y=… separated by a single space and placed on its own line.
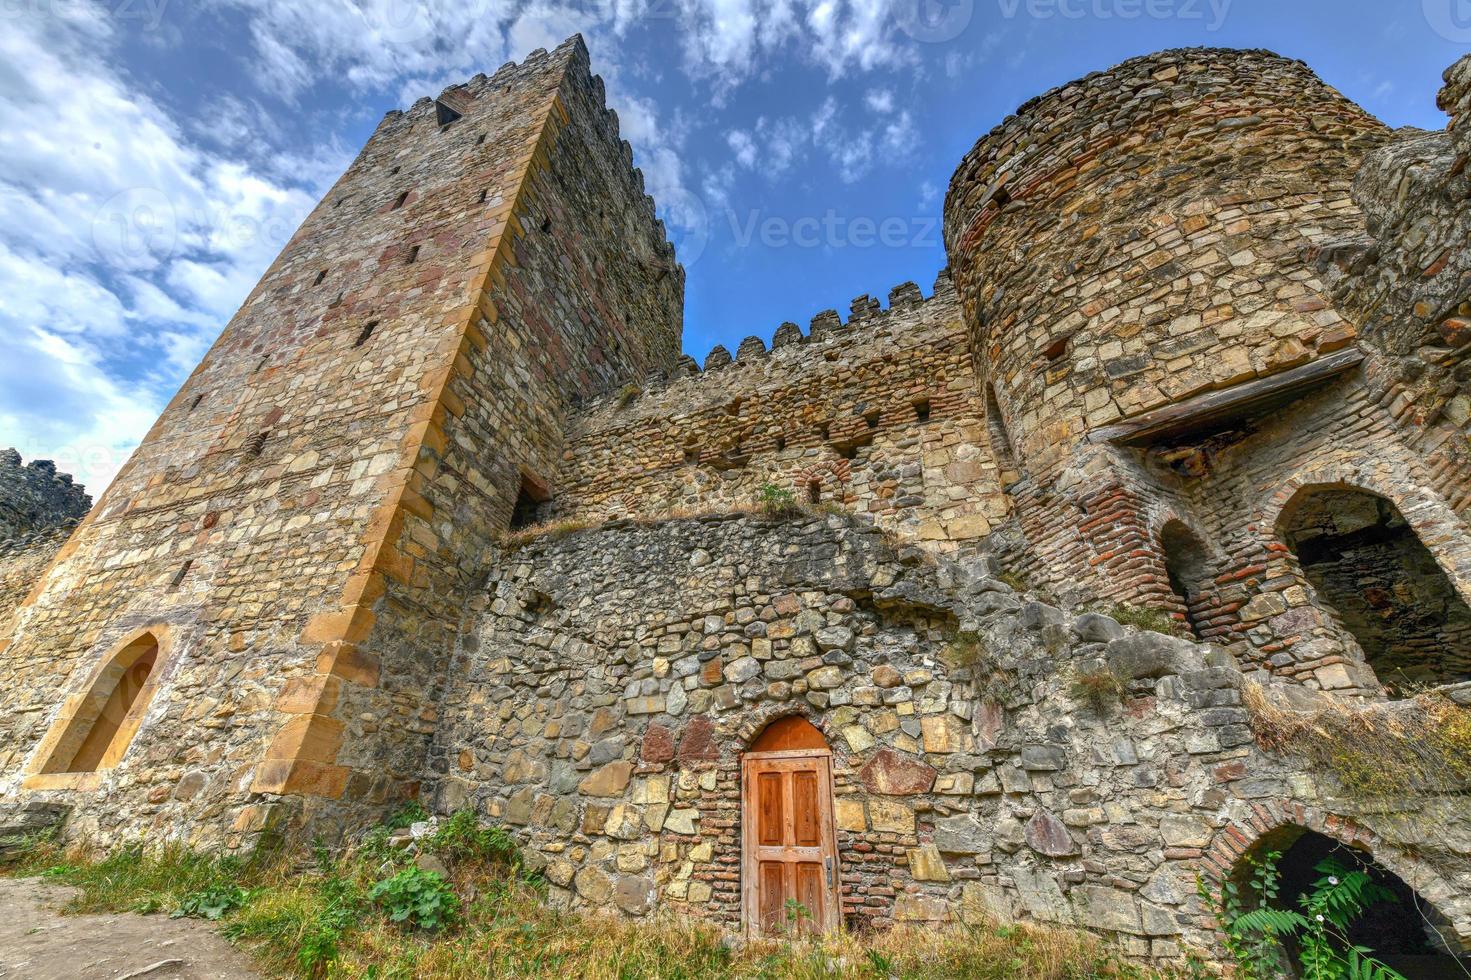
x=790 y=851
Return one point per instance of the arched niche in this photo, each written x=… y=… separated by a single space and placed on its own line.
x=1187 y=567
x=96 y=727
x=1367 y=564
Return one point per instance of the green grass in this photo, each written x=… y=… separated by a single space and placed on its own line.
x=313 y=914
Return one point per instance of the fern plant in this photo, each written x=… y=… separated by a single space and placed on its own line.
x=1254 y=937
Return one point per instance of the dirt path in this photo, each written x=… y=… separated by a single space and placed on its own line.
x=37 y=943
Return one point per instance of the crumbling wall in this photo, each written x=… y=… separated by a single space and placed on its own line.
x=879 y=415
x=601 y=705
x=35 y=497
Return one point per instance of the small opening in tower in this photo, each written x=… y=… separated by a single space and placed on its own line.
x=320 y=277
x=824 y=430
x=527 y=509
x=394 y=171
x=483 y=195
x=195 y=403
x=399 y=201
x=814 y=492
x=481 y=140
x=1055 y=349
x=259 y=365
x=257 y=444
x=871 y=419
x=691 y=455
x=849 y=451
x=1001 y=197
x=340 y=202
x=922 y=410
x=546 y=224
x=365 y=333
x=179 y=575
x=444 y=114
x=781 y=442
x=734 y=408
x=413 y=255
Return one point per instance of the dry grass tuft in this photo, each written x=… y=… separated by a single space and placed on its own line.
x=1100 y=689
x=1373 y=751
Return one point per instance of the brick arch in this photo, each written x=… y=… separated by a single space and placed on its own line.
x=1427 y=514
x=1252 y=823
x=829 y=473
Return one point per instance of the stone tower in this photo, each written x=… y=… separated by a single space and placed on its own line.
x=282 y=562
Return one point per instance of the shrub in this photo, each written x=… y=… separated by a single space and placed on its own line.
x=410 y=812
x=964 y=649
x=211 y=903
x=418 y=898
x=464 y=838
x=777 y=501
x=1254 y=936
x=1099 y=689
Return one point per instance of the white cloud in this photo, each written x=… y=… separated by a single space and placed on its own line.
x=743 y=147
x=123 y=247
x=880 y=100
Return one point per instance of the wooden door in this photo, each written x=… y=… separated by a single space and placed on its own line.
x=790 y=847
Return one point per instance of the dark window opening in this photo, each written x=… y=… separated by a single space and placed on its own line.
x=365 y=333
x=340 y=202
x=195 y=403
x=444 y=114
x=546 y=224
x=257 y=444
x=320 y=277
x=179 y=575
x=691 y=456
x=823 y=430
x=399 y=201
x=1055 y=349
x=1401 y=928
x=259 y=365
x=997 y=436
x=1002 y=197
x=1384 y=586
x=814 y=492
x=781 y=442
x=922 y=410
x=481 y=140
x=483 y=195
x=1187 y=569
x=394 y=171
x=734 y=408
x=871 y=419
x=413 y=256
x=529 y=500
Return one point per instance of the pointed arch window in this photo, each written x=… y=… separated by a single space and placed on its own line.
x=97 y=725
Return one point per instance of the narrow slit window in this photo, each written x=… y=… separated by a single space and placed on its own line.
x=781 y=442
x=413 y=256
x=922 y=410
x=195 y=403
x=546 y=224
x=260 y=365
x=365 y=333
x=180 y=575
x=321 y=277
x=814 y=492
x=483 y=195
x=400 y=200
x=257 y=444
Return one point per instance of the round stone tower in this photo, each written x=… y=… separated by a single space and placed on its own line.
x=1142 y=235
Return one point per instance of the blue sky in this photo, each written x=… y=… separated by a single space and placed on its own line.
x=156 y=154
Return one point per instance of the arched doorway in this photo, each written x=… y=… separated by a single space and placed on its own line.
x=1399 y=927
x=1186 y=567
x=1365 y=561
x=789 y=853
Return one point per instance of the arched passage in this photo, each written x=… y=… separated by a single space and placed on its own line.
x=1401 y=929
x=789 y=853
x=1366 y=562
x=1187 y=568
x=97 y=727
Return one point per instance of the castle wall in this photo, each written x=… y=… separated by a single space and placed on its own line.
x=600 y=706
x=284 y=523
x=879 y=415
x=35 y=497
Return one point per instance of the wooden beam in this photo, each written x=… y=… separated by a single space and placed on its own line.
x=1215 y=407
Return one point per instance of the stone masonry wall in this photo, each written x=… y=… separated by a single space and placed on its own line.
x=601 y=705
x=879 y=415
x=262 y=520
